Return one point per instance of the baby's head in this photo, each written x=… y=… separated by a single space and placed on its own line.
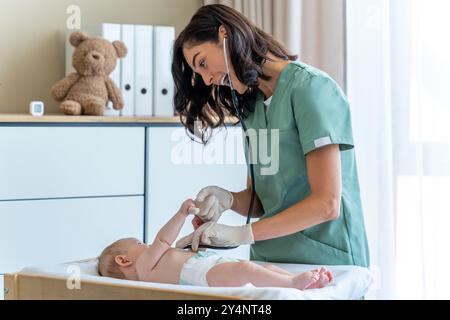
x=118 y=260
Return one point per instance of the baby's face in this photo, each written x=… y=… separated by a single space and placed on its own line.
x=134 y=247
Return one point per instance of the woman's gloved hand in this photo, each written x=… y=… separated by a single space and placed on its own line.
x=215 y=234
x=212 y=202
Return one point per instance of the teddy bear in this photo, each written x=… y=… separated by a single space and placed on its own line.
x=87 y=91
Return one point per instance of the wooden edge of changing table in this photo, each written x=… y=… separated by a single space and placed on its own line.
x=23 y=286
x=10 y=287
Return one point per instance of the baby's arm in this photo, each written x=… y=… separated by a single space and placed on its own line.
x=170 y=231
x=165 y=237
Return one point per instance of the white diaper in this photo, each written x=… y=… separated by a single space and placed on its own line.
x=194 y=270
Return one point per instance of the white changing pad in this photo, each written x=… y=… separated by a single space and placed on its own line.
x=350 y=282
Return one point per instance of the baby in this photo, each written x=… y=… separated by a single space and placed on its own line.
x=132 y=259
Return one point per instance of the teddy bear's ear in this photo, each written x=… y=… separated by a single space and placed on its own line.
x=121 y=49
x=78 y=37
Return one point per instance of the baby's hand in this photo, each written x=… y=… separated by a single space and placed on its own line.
x=188 y=207
x=196 y=222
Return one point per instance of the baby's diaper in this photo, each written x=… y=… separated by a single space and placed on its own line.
x=194 y=270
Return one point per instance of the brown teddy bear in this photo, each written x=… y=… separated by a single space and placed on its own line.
x=88 y=90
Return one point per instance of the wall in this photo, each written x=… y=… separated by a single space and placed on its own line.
x=32 y=40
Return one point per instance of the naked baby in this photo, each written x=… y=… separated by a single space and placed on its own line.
x=132 y=259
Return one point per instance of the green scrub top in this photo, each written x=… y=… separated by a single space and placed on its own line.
x=310 y=111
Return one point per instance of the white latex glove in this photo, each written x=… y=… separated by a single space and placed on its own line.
x=193 y=210
x=216 y=234
x=212 y=202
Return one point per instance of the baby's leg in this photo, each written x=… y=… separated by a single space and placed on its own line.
x=277 y=269
x=236 y=274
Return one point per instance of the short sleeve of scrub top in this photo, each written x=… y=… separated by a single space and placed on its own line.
x=322 y=114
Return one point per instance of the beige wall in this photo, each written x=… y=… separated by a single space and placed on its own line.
x=32 y=40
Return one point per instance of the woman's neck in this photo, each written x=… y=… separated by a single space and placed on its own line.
x=273 y=69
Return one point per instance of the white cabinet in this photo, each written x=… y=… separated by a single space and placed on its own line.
x=177 y=168
x=68 y=191
x=55 y=162
x=45 y=232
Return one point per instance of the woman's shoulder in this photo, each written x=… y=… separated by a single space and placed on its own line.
x=307 y=79
x=308 y=71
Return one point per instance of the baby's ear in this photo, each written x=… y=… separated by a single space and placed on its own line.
x=123 y=261
x=121 y=49
x=78 y=37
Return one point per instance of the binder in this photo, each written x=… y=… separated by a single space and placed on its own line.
x=143 y=97
x=108 y=31
x=127 y=85
x=163 y=85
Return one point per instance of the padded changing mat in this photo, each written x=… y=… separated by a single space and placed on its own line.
x=350 y=282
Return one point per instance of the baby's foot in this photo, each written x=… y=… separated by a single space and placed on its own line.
x=305 y=280
x=317 y=278
x=325 y=277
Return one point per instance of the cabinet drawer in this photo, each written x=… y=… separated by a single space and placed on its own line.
x=46 y=232
x=53 y=162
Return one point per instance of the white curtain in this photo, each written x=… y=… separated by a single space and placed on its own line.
x=313 y=29
x=398 y=88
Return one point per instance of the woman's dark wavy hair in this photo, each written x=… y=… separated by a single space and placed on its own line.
x=248 y=46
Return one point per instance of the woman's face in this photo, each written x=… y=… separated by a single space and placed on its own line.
x=207 y=60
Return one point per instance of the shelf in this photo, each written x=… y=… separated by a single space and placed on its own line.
x=58 y=118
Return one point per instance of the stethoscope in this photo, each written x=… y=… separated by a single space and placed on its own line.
x=235 y=103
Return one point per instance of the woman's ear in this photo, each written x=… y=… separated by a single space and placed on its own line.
x=123 y=261
x=222 y=32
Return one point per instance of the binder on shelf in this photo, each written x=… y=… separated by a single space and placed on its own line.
x=163 y=85
x=110 y=32
x=143 y=98
x=127 y=85
x=144 y=76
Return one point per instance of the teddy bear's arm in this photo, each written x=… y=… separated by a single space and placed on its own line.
x=114 y=94
x=59 y=90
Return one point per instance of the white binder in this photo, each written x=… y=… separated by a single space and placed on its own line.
x=163 y=85
x=143 y=70
x=127 y=85
x=108 y=31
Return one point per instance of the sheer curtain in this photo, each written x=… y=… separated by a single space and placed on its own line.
x=397 y=66
x=423 y=163
x=313 y=29
x=398 y=62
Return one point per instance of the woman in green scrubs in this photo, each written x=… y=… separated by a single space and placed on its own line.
x=309 y=207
